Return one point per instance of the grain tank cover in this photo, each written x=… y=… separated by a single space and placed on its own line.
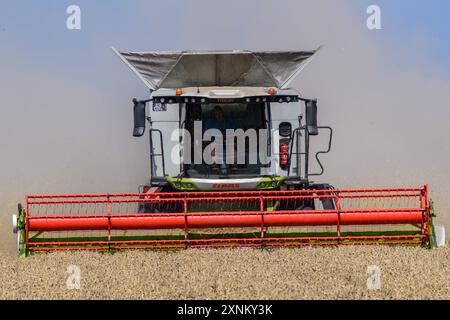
x=181 y=69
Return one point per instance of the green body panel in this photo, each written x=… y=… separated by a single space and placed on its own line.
x=266 y=183
x=182 y=184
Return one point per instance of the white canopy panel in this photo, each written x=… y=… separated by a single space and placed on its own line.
x=216 y=68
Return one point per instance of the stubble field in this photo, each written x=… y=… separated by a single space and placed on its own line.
x=311 y=273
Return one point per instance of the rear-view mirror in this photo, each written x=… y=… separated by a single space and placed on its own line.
x=311 y=117
x=139 y=118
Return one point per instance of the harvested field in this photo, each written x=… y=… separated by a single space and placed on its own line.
x=311 y=273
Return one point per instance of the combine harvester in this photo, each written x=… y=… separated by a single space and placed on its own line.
x=194 y=202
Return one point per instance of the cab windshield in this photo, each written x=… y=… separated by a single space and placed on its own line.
x=232 y=140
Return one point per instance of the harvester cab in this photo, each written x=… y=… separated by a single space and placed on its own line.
x=226 y=121
x=229 y=166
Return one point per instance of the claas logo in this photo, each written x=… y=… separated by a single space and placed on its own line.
x=226 y=186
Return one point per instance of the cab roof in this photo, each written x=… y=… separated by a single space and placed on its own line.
x=181 y=69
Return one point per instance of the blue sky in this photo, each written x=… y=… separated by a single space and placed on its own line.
x=35 y=30
x=404 y=20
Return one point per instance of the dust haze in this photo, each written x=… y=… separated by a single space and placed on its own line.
x=66 y=129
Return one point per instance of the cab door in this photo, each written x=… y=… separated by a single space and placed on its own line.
x=164 y=139
x=284 y=120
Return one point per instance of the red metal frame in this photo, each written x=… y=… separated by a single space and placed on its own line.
x=263 y=218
